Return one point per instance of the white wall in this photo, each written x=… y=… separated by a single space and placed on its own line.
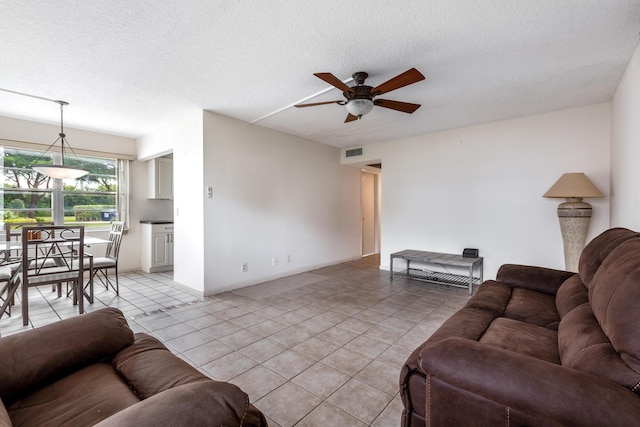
x=163 y=140
x=274 y=195
x=188 y=203
x=482 y=186
x=625 y=149
x=183 y=138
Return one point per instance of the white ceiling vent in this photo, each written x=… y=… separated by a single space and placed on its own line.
x=354 y=152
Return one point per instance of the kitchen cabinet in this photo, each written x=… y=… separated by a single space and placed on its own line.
x=160 y=172
x=157 y=247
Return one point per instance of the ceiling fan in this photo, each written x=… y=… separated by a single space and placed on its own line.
x=360 y=98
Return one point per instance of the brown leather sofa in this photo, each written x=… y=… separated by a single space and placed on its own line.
x=537 y=347
x=93 y=370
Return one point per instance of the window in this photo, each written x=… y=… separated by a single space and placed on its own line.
x=93 y=200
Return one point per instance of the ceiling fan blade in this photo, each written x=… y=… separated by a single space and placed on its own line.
x=408 y=77
x=339 y=101
x=350 y=118
x=405 y=107
x=334 y=81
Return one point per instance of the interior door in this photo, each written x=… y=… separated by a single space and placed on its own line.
x=368 y=214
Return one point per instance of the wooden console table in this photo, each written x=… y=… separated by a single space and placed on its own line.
x=420 y=272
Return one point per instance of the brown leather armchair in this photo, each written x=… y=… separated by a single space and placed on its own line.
x=93 y=370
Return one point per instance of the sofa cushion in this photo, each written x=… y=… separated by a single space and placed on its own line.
x=601 y=336
x=533 y=307
x=583 y=345
x=33 y=358
x=502 y=300
x=571 y=294
x=598 y=249
x=81 y=399
x=614 y=295
x=539 y=279
x=5 y=273
x=523 y=338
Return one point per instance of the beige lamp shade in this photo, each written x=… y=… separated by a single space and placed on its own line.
x=573 y=185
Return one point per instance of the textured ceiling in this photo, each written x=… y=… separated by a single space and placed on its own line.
x=128 y=67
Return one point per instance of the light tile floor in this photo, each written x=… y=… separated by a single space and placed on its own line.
x=314 y=349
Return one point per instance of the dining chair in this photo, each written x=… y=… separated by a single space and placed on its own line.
x=9 y=266
x=6 y=291
x=52 y=255
x=5 y=297
x=101 y=265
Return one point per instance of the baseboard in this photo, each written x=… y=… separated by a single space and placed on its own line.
x=238 y=285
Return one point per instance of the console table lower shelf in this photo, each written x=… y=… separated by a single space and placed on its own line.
x=422 y=260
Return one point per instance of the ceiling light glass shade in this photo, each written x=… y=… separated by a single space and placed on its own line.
x=359 y=107
x=60 y=171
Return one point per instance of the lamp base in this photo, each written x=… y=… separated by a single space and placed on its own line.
x=574 y=216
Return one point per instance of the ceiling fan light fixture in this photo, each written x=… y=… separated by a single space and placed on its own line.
x=360 y=98
x=359 y=107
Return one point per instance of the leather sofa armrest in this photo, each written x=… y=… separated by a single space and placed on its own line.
x=522 y=383
x=541 y=279
x=195 y=404
x=38 y=356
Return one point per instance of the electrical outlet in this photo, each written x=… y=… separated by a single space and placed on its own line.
x=274 y=261
x=288 y=258
x=244 y=267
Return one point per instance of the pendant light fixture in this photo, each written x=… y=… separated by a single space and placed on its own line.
x=60 y=171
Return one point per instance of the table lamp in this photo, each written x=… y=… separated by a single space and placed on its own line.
x=574 y=214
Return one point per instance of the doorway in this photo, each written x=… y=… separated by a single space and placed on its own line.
x=369 y=207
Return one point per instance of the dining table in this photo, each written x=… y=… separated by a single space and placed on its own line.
x=14 y=264
x=17 y=245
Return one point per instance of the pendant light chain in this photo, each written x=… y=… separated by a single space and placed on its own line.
x=62 y=135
